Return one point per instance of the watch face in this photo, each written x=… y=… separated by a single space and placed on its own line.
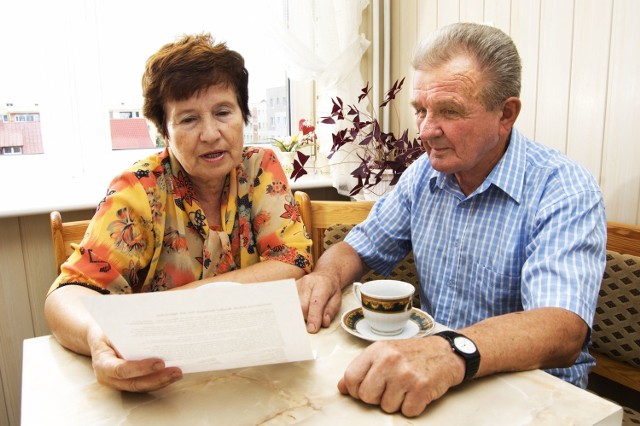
x=464 y=345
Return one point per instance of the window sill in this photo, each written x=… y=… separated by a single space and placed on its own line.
x=46 y=195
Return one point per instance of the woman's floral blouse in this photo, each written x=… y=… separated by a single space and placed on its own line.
x=150 y=234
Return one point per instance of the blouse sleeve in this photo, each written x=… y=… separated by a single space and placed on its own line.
x=115 y=254
x=277 y=223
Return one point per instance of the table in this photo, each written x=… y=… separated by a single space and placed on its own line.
x=59 y=388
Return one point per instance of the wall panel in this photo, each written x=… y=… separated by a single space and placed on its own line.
x=588 y=92
x=621 y=147
x=554 y=72
x=525 y=28
x=4 y=415
x=580 y=80
x=448 y=12
x=498 y=14
x=471 y=11
x=15 y=315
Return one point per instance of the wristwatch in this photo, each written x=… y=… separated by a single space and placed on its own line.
x=464 y=347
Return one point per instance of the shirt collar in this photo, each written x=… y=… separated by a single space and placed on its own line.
x=507 y=175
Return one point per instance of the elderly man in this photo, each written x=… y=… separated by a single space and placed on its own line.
x=508 y=236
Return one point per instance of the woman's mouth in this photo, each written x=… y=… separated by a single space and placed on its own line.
x=212 y=155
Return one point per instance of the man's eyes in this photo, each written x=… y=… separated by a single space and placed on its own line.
x=445 y=112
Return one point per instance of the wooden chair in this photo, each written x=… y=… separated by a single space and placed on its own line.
x=328 y=222
x=318 y=215
x=63 y=234
x=616 y=328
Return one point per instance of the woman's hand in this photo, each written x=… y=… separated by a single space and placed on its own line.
x=134 y=376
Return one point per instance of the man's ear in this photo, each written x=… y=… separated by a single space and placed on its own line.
x=510 y=111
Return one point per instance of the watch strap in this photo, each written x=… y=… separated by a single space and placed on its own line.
x=471 y=360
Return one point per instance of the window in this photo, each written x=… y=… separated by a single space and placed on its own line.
x=11 y=150
x=75 y=75
x=27 y=117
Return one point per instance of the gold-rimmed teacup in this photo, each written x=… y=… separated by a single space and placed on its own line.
x=386 y=304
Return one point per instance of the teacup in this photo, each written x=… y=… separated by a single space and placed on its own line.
x=386 y=304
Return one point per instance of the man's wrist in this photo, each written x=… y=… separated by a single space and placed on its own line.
x=466 y=349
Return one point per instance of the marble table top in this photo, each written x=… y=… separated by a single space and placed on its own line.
x=59 y=388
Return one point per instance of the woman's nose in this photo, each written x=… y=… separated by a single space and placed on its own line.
x=209 y=130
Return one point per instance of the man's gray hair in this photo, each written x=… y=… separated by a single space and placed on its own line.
x=494 y=50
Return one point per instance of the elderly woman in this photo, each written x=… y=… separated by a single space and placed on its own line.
x=205 y=209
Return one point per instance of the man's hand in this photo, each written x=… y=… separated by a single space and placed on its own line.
x=403 y=375
x=133 y=376
x=320 y=298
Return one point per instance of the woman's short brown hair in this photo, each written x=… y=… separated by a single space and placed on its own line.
x=190 y=65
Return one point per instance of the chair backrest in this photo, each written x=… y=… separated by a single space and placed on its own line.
x=623 y=238
x=318 y=215
x=616 y=327
x=328 y=222
x=63 y=235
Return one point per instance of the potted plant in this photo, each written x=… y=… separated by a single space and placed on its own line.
x=379 y=154
x=289 y=145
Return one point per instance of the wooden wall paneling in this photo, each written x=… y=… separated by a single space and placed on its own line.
x=426 y=18
x=39 y=266
x=525 y=29
x=404 y=38
x=498 y=14
x=15 y=314
x=554 y=72
x=471 y=11
x=448 y=12
x=621 y=170
x=588 y=87
x=4 y=415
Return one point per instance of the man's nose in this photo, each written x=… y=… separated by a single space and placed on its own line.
x=429 y=129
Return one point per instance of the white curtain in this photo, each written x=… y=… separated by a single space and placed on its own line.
x=322 y=42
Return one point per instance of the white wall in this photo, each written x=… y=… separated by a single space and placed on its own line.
x=581 y=78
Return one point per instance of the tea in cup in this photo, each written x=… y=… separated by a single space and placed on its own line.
x=386 y=304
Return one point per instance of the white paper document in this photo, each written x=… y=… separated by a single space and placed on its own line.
x=215 y=327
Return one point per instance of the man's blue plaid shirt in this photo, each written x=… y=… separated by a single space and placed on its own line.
x=532 y=235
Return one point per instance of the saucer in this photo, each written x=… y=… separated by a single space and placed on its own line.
x=420 y=324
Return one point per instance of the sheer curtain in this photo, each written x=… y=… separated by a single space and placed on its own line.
x=322 y=43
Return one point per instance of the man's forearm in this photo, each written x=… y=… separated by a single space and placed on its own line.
x=540 y=338
x=342 y=260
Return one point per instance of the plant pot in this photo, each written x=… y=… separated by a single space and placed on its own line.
x=286 y=159
x=378 y=190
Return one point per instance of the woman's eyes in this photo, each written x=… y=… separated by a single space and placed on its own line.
x=191 y=118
